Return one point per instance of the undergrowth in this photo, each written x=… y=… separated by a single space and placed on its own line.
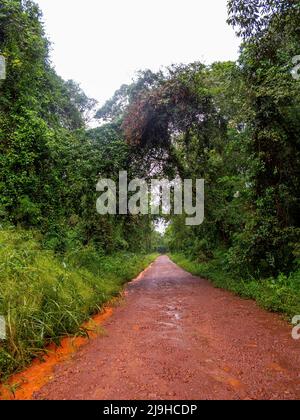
x=44 y=296
x=281 y=294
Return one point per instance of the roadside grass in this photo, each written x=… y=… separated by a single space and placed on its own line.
x=281 y=294
x=44 y=297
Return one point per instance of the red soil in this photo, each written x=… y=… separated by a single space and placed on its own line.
x=177 y=337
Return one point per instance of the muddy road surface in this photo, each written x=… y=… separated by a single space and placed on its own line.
x=177 y=337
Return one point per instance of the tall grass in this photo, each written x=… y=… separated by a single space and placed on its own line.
x=281 y=294
x=44 y=297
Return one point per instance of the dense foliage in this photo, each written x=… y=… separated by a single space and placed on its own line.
x=49 y=162
x=59 y=260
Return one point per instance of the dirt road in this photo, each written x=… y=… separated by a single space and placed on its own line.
x=177 y=337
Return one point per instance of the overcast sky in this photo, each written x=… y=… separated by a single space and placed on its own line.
x=102 y=43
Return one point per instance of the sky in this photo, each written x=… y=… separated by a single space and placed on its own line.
x=102 y=43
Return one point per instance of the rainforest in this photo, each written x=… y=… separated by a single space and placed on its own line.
x=235 y=124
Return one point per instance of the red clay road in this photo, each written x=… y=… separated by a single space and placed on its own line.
x=177 y=337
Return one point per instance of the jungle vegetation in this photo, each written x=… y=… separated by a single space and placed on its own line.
x=235 y=124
